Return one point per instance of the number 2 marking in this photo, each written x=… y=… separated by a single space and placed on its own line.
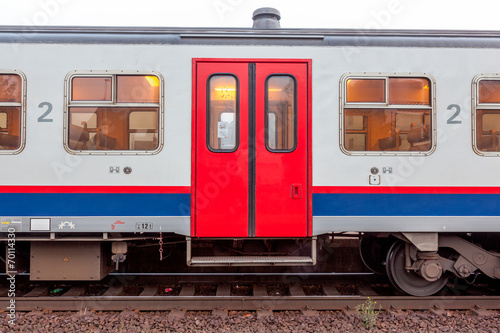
x=42 y=118
x=457 y=112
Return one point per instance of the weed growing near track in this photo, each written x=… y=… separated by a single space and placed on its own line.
x=368 y=313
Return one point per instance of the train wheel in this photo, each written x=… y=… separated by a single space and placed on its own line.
x=373 y=251
x=409 y=282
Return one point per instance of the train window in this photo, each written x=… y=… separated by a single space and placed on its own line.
x=143 y=130
x=409 y=91
x=114 y=113
x=489 y=91
x=356 y=125
x=137 y=89
x=487 y=130
x=486 y=114
x=222 y=117
x=387 y=114
x=280 y=113
x=12 y=106
x=365 y=91
x=91 y=89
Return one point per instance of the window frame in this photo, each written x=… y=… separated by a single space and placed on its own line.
x=22 y=116
x=208 y=106
x=267 y=112
x=88 y=102
x=343 y=104
x=68 y=103
x=476 y=105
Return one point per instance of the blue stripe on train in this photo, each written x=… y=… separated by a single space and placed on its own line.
x=94 y=204
x=179 y=204
x=376 y=204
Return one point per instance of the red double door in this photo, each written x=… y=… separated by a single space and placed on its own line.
x=251 y=148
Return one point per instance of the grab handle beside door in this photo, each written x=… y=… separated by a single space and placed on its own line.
x=296 y=191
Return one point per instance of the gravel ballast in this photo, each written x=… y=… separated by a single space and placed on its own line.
x=241 y=321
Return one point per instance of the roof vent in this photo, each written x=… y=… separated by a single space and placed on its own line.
x=266 y=18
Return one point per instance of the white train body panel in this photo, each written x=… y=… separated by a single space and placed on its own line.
x=417 y=196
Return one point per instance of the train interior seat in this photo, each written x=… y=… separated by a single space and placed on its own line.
x=391 y=142
x=105 y=141
x=488 y=142
x=9 y=141
x=419 y=137
x=78 y=136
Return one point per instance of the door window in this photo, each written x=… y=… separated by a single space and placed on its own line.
x=281 y=113
x=222 y=113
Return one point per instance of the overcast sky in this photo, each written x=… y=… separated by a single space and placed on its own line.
x=357 y=14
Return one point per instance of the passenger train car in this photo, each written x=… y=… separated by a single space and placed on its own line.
x=111 y=137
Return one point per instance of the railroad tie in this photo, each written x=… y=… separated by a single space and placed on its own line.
x=220 y=312
x=259 y=290
x=149 y=291
x=177 y=313
x=75 y=291
x=38 y=291
x=264 y=313
x=482 y=312
x=297 y=290
x=114 y=291
x=187 y=291
x=223 y=290
x=331 y=291
x=366 y=291
x=310 y=313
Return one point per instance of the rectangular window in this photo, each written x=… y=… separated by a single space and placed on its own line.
x=143 y=129
x=409 y=91
x=12 y=110
x=387 y=113
x=114 y=112
x=365 y=91
x=487 y=130
x=489 y=91
x=280 y=113
x=355 y=126
x=137 y=89
x=91 y=89
x=486 y=114
x=222 y=117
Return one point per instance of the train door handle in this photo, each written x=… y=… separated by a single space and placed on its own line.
x=296 y=191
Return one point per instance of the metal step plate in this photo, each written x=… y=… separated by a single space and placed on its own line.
x=251 y=261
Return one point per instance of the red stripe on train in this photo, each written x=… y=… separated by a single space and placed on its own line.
x=407 y=189
x=96 y=189
x=316 y=189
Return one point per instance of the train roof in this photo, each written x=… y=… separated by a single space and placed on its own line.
x=244 y=36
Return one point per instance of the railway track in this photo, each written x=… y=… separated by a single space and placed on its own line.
x=230 y=296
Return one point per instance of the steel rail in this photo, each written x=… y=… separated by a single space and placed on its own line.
x=248 y=303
